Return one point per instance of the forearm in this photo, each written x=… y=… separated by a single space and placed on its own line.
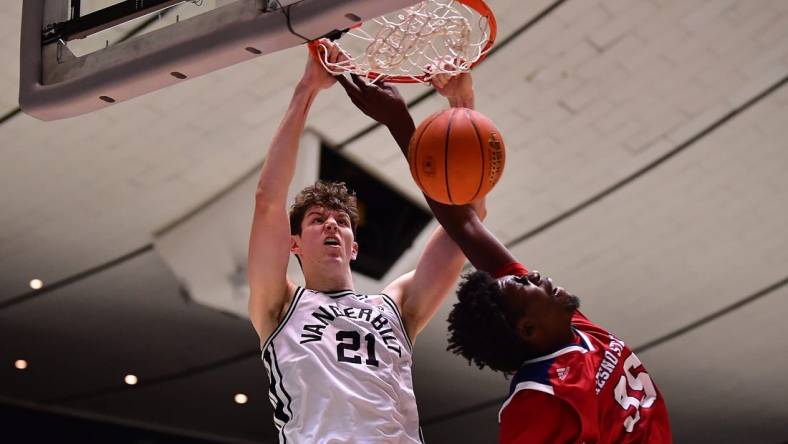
x=402 y=131
x=483 y=250
x=269 y=240
x=435 y=275
x=466 y=101
x=279 y=166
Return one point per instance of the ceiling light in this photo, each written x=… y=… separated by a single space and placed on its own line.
x=20 y=364
x=240 y=398
x=35 y=284
x=130 y=379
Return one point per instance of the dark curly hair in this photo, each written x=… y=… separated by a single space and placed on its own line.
x=481 y=326
x=332 y=195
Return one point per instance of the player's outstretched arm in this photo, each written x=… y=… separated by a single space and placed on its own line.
x=269 y=242
x=385 y=105
x=420 y=292
x=464 y=225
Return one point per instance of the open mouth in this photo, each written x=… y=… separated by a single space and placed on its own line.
x=331 y=241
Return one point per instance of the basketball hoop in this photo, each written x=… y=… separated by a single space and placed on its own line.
x=413 y=44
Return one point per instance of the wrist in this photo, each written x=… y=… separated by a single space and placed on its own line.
x=397 y=118
x=305 y=86
x=462 y=101
x=402 y=131
x=402 y=126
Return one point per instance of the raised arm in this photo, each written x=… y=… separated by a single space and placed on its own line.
x=269 y=242
x=385 y=105
x=420 y=292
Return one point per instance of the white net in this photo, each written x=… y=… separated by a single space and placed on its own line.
x=414 y=44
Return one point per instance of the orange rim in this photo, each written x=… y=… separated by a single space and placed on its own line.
x=477 y=5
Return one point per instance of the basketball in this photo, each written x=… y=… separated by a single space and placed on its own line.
x=456 y=156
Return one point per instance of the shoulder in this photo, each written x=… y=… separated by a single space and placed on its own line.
x=551 y=375
x=527 y=381
x=397 y=290
x=531 y=401
x=265 y=321
x=537 y=417
x=293 y=292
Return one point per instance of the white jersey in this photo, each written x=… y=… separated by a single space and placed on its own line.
x=339 y=370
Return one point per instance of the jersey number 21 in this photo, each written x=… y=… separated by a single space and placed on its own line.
x=349 y=343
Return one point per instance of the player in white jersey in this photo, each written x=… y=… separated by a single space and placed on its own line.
x=339 y=363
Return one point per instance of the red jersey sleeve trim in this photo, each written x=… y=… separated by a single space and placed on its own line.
x=525 y=385
x=514 y=268
x=538 y=418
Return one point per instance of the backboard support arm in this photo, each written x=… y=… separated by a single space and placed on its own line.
x=55 y=84
x=80 y=26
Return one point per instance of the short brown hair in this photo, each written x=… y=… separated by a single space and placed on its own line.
x=332 y=195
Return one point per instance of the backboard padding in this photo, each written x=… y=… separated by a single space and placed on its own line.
x=52 y=89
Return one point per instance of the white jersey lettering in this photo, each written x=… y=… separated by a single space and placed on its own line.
x=338 y=359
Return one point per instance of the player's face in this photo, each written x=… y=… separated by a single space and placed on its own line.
x=326 y=235
x=545 y=309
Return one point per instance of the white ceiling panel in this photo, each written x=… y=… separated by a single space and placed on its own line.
x=665 y=246
x=585 y=97
x=725 y=382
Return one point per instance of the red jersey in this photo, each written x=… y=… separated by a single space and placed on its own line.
x=593 y=391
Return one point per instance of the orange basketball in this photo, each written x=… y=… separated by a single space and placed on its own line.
x=456 y=156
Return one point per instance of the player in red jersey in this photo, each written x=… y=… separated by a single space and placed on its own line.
x=573 y=382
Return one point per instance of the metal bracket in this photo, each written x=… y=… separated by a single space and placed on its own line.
x=82 y=26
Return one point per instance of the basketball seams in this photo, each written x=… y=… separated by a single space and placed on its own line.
x=414 y=162
x=468 y=172
x=446 y=155
x=483 y=171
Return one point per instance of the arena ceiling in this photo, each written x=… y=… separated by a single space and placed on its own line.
x=646 y=150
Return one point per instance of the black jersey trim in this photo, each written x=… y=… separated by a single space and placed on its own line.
x=394 y=307
x=275 y=387
x=290 y=310
x=289 y=404
x=329 y=293
x=339 y=294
